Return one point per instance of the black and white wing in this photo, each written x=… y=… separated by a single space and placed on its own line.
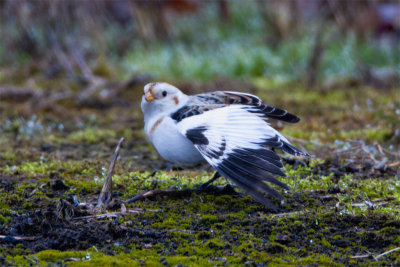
x=237 y=98
x=204 y=102
x=237 y=142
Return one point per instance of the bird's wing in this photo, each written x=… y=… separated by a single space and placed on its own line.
x=201 y=103
x=237 y=98
x=237 y=142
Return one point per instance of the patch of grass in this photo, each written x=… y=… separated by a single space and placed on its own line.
x=91 y=136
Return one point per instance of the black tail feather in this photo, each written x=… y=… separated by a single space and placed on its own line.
x=275 y=113
x=249 y=170
x=292 y=150
x=259 y=197
x=278 y=143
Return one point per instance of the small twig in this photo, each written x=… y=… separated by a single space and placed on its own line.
x=382 y=164
x=361 y=256
x=385 y=253
x=182 y=231
x=153 y=193
x=112 y=214
x=394 y=164
x=370 y=255
x=59 y=54
x=364 y=148
x=133 y=81
x=392 y=153
x=286 y=213
x=18 y=94
x=29 y=238
x=317 y=53
x=106 y=191
x=95 y=84
x=39 y=102
x=79 y=59
x=378 y=146
x=182 y=193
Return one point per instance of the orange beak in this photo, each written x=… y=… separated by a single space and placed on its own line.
x=149 y=96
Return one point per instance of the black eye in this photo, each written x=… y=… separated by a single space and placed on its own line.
x=164 y=93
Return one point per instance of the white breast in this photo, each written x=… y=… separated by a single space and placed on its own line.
x=170 y=143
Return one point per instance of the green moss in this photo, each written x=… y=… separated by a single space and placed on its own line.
x=91 y=136
x=46 y=256
x=276 y=248
x=325 y=243
x=372 y=134
x=169 y=223
x=214 y=243
x=337 y=237
x=4 y=219
x=209 y=219
x=27 y=205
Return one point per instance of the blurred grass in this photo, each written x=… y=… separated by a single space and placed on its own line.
x=212 y=48
x=202 y=46
x=252 y=58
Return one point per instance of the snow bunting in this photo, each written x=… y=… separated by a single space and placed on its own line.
x=227 y=129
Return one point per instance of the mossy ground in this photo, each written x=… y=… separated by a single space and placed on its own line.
x=339 y=206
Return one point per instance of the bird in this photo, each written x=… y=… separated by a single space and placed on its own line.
x=228 y=130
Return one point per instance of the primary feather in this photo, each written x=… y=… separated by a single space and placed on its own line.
x=201 y=103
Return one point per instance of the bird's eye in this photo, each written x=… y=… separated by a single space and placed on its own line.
x=164 y=93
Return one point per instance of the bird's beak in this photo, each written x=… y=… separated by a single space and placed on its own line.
x=149 y=96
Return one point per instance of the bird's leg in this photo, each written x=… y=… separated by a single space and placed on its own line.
x=206 y=184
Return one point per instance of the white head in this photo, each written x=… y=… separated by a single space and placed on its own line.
x=161 y=98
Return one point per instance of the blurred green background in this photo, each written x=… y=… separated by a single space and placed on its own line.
x=310 y=41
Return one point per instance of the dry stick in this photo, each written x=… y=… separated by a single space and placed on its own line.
x=62 y=59
x=113 y=214
x=106 y=191
x=29 y=238
x=361 y=256
x=286 y=214
x=17 y=94
x=375 y=257
x=387 y=252
x=181 y=193
x=79 y=59
x=316 y=56
x=133 y=81
x=39 y=102
x=153 y=193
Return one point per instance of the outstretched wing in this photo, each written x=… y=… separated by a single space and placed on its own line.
x=204 y=102
x=237 y=142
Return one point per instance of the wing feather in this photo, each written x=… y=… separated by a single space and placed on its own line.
x=205 y=102
x=236 y=141
x=238 y=98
